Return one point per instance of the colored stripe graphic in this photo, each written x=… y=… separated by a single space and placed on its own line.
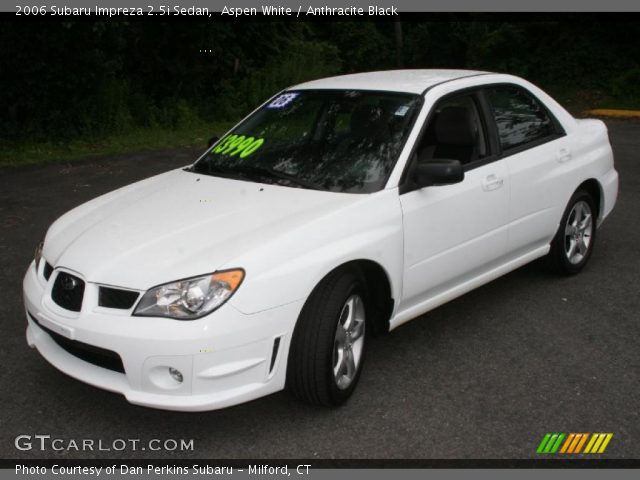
x=556 y=446
x=592 y=440
x=605 y=443
x=543 y=443
x=567 y=442
x=550 y=443
x=598 y=442
x=572 y=443
x=583 y=439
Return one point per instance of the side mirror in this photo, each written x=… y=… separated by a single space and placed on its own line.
x=437 y=172
x=212 y=140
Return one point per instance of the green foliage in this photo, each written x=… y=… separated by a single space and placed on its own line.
x=77 y=80
x=627 y=84
x=362 y=46
x=300 y=61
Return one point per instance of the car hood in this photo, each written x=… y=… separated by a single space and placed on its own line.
x=177 y=225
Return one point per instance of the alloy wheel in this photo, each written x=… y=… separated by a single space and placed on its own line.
x=578 y=232
x=349 y=341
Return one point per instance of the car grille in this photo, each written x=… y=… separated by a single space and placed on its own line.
x=47 y=271
x=97 y=356
x=116 y=298
x=68 y=291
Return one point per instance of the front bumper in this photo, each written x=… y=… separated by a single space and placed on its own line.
x=225 y=358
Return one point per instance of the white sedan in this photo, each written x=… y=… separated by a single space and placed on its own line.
x=340 y=208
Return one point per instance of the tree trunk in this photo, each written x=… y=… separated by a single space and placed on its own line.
x=398 y=31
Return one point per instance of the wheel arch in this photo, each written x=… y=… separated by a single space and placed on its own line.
x=378 y=283
x=593 y=187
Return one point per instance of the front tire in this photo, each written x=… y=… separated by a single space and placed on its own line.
x=328 y=344
x=573 y=244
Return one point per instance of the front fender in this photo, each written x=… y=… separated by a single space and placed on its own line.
x=287 y=268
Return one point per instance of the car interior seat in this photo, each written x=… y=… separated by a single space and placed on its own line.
x=455 y=136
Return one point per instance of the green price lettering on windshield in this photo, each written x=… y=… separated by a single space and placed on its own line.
x=238 y=145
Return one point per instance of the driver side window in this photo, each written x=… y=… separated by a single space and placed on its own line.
x=454 y=132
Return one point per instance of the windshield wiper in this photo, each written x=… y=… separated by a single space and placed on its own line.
x=208 y=169
x=272 y=174
x=253 y=173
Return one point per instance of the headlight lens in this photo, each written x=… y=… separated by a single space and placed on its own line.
x=190 y=298
x=38 y=255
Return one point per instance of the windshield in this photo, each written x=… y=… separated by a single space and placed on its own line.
x=335 y=140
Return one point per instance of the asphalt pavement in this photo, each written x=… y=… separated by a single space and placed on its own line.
x=485 y=376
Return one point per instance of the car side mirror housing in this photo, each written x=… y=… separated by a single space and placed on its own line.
x=437 y=172
x=212 y=140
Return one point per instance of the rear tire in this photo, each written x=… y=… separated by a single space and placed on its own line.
x=573 y=244
x=328 y=344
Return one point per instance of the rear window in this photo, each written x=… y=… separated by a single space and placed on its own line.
x=520 y=117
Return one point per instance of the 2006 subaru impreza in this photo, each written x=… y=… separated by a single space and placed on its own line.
x=340 y=208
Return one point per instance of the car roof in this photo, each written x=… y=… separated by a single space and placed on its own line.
x=412 y=81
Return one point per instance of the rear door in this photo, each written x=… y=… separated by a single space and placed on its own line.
x=536 y=152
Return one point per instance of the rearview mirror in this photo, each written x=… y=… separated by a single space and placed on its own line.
x=437 y=172
x=212 y=140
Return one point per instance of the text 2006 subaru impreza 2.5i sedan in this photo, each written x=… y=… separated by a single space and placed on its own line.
x=340 y=208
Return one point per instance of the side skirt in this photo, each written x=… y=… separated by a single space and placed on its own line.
x=441 y=298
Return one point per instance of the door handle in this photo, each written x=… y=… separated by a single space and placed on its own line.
x=492 y=182
x=564 y=155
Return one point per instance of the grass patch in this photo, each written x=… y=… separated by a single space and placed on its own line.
x=135 y=140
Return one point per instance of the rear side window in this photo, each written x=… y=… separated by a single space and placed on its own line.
x=520 y=117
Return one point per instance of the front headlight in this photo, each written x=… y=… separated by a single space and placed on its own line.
x=38 y=255
x=190 y=298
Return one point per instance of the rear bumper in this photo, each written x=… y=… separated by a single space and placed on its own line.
x=225 y=358
x=609 y=184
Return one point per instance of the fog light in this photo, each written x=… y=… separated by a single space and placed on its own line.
x=175 y=374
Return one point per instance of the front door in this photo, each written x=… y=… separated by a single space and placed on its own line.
x=454 y=232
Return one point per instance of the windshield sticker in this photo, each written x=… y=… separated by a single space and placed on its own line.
x=402 y=111
x=238 y=145
x=283 y=100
